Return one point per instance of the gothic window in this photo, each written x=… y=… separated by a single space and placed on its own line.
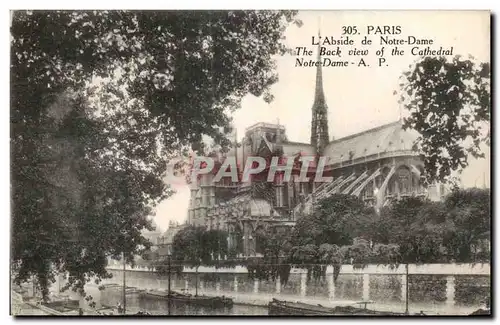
x=260 y=238
x=237 y=240
x=285 y=195
x=271 y=137
x=404 y=180
x=278 y=197
x=391 y=186
x=310 y=187
x=278 y=178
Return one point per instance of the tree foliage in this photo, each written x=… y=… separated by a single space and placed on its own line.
x=468 y=234
x=194 y=246
x=331 y=255
x=449 y=103
x=337 y=219
x=274 y=243
x=457 y=229
x=333 y=235
x=315 y=259
x=410 y=230
x=95 y=97
x=411 y=224
x=74 y=204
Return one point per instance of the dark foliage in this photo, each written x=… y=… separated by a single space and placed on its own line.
x=449 y=103
x=85 y=165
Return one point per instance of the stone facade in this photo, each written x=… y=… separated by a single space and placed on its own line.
x=164 y=242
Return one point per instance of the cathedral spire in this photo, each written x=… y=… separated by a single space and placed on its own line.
x=319 y=72
x=278 y=131
x=319 y=123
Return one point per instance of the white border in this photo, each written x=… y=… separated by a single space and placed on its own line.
x=185 y=4
x=256 y=4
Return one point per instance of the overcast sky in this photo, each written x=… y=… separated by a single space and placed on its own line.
x=358 y=98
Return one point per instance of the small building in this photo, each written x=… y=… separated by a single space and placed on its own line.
x=165 y=241
x=152 y=235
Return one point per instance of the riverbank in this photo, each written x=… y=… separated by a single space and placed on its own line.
x=21 y=308
x=262 y=300
x=30 y=308
x=25 y=305
x=468 y=286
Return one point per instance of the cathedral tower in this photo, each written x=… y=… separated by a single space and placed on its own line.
x=319 y=123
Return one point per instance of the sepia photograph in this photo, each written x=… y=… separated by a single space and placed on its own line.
x=250 y=163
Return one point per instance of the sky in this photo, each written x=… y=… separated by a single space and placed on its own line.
x=358 y=98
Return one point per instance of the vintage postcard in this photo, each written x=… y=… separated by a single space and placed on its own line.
x=308 y=163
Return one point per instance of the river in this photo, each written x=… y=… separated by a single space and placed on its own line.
x=160 y=307
x=433 y=296
x=156 y=306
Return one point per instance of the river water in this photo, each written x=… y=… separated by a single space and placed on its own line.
x=157 y=306
x=112 y=295
x=160 y=307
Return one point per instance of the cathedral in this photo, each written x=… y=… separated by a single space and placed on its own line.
x=376 y=165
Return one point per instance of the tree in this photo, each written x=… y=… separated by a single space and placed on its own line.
x=86 y=173
x=386 y=254
x=360 y=252
x=337 y=219
x=306 y=254
x=457 y=229
x=363 y=252
x=449 y=104
x=415 y=225
x=469 y=227
x=273 y=241
x=194 y=246
x=274 y=244
x=74 y=205
x=323 y=237
x=331 y=255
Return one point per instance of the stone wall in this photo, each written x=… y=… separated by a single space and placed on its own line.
x=451 y=284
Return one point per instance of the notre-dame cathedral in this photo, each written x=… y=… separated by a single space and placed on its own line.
x=376 y=165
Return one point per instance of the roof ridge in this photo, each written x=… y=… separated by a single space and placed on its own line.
x=296 y=142
x=354 y=135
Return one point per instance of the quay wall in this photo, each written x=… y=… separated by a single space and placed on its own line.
x=447 y=284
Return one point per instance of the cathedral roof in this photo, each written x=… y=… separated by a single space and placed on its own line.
x=294 y=148
x=383 y=139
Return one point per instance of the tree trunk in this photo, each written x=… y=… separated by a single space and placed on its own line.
x=196 y=281
x=336 y=271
